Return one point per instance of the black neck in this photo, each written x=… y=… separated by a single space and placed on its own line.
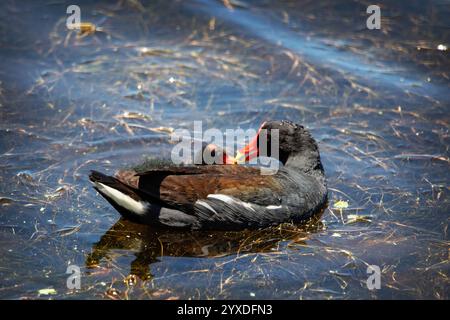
x=305 y=158
x=307 y=163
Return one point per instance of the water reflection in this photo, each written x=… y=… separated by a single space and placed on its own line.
x=149 y=243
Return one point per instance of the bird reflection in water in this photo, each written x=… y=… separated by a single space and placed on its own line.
x=149 y=243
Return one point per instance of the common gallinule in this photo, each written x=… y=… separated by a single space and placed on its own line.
x=225 y=196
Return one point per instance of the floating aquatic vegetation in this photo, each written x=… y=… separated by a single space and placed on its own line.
x=352 y=218
x=47 y=291
x=4 y=201
x=110 y=99
x=163 y=129
x=87 y=28
x=341 y=204
x=134 y=116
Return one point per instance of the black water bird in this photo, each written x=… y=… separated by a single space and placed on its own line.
x=229 y=196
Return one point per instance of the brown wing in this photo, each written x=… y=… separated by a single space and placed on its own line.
x=181 y=187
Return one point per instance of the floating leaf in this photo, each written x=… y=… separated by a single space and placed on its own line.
x=341 y=204
x=47 y=291
x=87 y=28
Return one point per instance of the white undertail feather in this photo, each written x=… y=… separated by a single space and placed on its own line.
x=123 y=200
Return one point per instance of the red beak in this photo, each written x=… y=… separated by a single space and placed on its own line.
x=250 y=151
x=228 y=160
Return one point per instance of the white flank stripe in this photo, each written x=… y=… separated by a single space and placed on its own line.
x=222 y=197
x=273 y=207
x=230 y=200
x=204 y=204
x=247 y=205
x=122 y=199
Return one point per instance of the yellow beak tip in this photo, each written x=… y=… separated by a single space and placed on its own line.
x=240 y=157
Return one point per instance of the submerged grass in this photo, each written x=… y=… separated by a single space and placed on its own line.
x=110 y=98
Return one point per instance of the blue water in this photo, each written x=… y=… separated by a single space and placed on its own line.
x=377 y=101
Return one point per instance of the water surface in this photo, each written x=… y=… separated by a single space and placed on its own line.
x=377 y=101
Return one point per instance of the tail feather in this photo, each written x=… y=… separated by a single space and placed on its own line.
x=119 y=194
x=98 y=177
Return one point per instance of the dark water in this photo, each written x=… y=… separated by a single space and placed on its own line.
x=377 y=101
